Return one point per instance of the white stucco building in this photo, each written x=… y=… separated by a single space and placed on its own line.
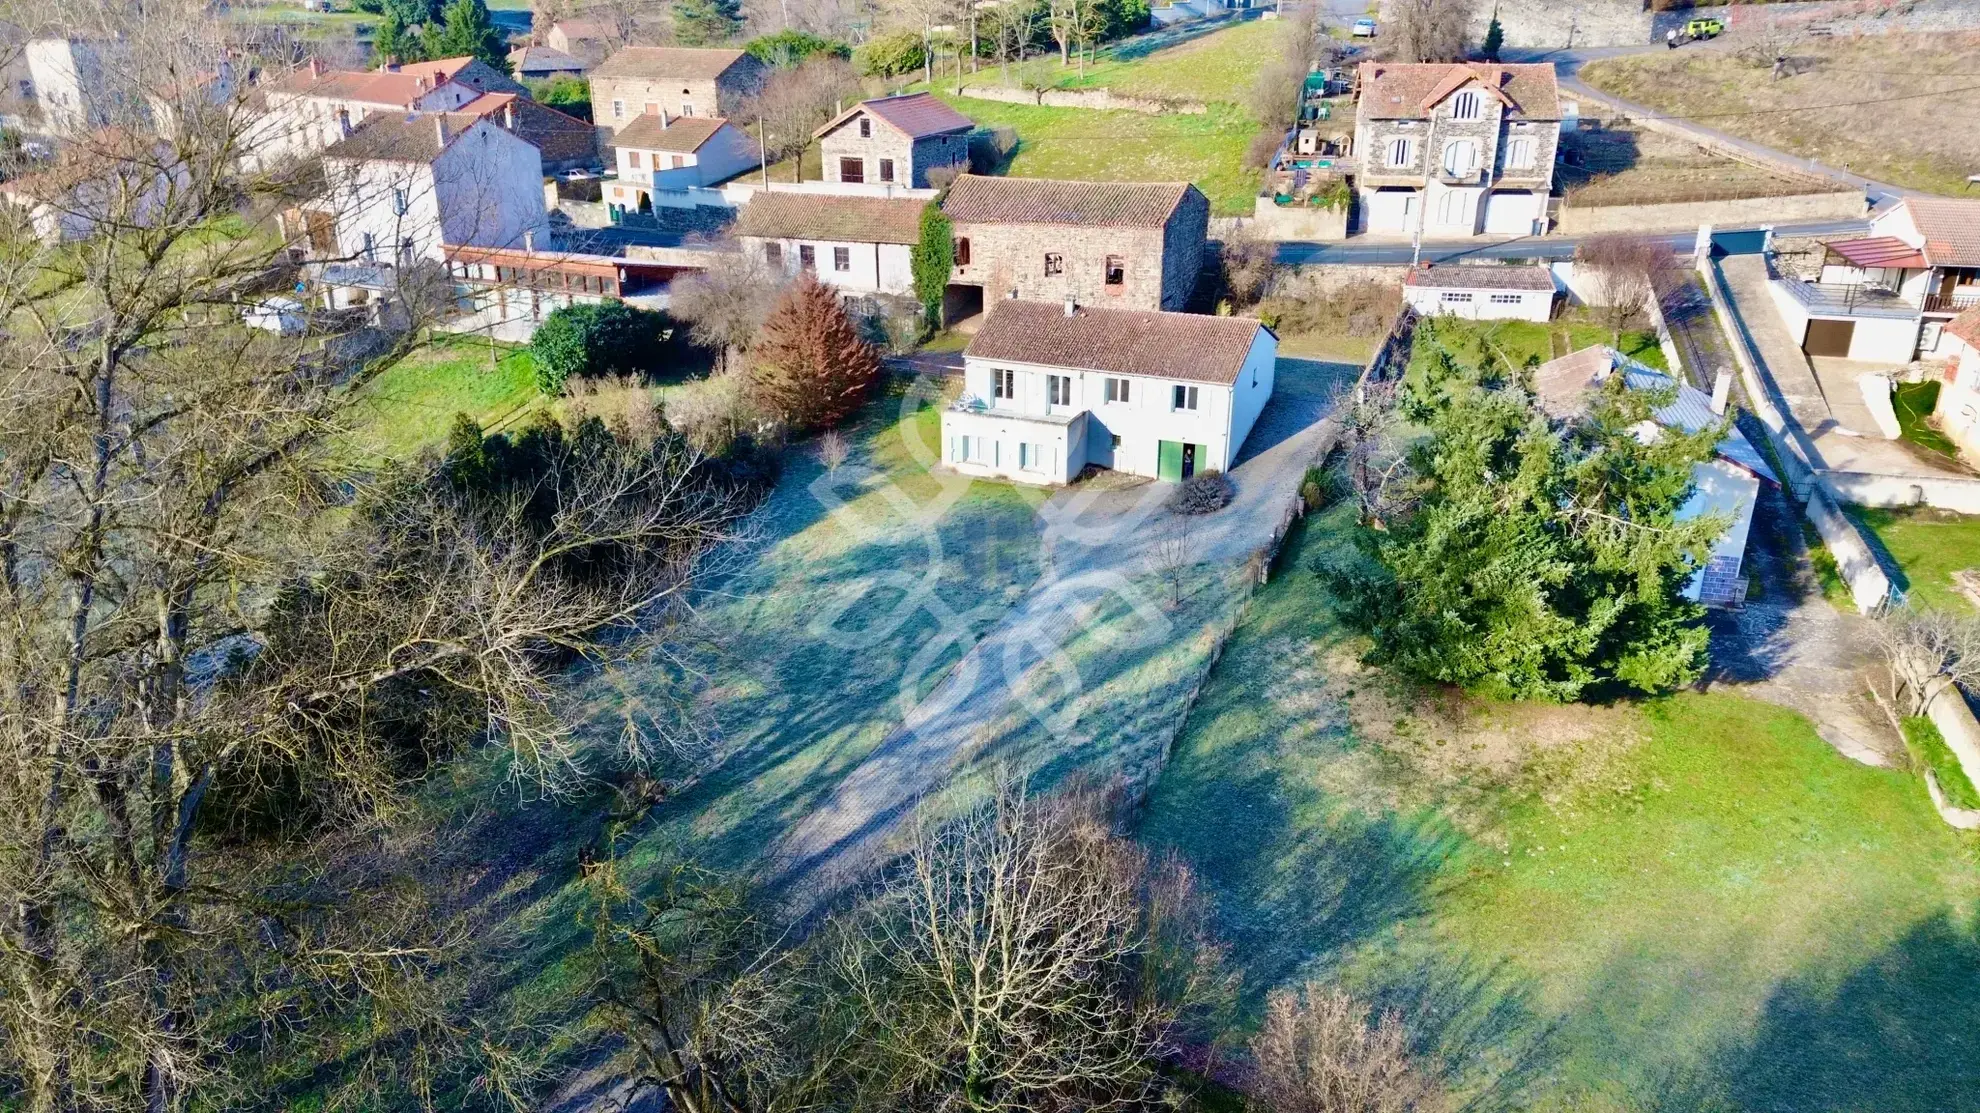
x=1482 y=293
x=401 y=188
x=1888 y=296
x=1050 y=388
x=1727 y=485
x=860 y=245
x=665 y=153
x=1958 y=411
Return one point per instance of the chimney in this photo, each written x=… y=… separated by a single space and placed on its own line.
x=509 y=116
x=419 y=82
x=1070 y=307
x=1722 y=385
x=666 y=121
x=440 y=130
x=315 y=66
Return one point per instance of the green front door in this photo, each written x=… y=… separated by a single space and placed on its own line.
x=1169 y=461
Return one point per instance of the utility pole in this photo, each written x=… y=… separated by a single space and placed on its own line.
x=763 y=150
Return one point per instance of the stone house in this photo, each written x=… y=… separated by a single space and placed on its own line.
x=857 y=245
x=587 y=40
x=1128 y=245
x=1049 y=389
x=539 y=63
x=672 y=81
x=1455 y=149
x=894 y=139
x=564 y=141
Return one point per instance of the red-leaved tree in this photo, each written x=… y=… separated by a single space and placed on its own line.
x=809 y=367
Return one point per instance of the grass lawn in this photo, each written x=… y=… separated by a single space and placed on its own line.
x=1914 y=403
x=1890 y=106
x=1524 y=342
x=1092 y=145
x=1928 y=748
x=1691 y=903
x=411 y=405
x=1926 y=547
x=1218 y=67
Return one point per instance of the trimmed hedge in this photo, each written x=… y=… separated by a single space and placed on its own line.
x=607 y=338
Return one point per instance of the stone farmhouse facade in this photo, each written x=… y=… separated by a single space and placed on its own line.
x=1049 y=389
x=671 y=81
x=1455 y=149
x=1125 y=245
x=894 y=139
x=860 y=246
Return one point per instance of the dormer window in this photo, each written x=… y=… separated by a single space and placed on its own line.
x=1467 y=105
x=865 y=128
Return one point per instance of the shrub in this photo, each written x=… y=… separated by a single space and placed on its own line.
x=989 y=150
x=604 y=339
x=1258 y=155
x=889 y=55
x=1319 y=489
x=1206 y=492
x=810 y=369
x=934 y=257
x=564 y=93
x=789 y=47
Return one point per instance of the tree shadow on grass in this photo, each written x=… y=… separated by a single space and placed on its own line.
x=1899 y=1033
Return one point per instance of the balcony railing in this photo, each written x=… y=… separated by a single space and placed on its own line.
x=1850 y=300
x=1958 y=301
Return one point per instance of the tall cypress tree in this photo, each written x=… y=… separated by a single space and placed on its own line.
x=467 y=29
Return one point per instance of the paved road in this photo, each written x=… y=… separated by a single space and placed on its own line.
x=1096 y=541
x=1393 y=253
x=1568 y=63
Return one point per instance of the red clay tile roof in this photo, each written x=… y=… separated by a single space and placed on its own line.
x=1878 y=251
x=1193 y=347
x=1966 y=326
x=1951 y=227
x=832 y=217
x=975 y=199
x=685 y=134
x=395 y=87
x=1461 y=277
x=659 y=63
x=914 y=115
x=1409 y=90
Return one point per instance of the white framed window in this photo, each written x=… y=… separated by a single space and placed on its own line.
x=1058 y=390
x=1402 y=151
x=1467 y=105
x=1460 y=157
x=1034 y=457
x=1117 y=390
x=1456 y=297
x=400 y=201
x=1519 y=153
x=1505 y=299
x=1184 y=397
x=618 y=110
x=1003 y=383
x=842 y=259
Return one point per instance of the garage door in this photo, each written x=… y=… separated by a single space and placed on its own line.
x=1829 y=338
x=1389 y=210
x=1511 y=213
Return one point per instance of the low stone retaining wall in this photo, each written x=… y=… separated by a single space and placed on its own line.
x=1274 y=221
x=1104 y=100
x=1809 y=169
x=1583 y=220
x=1896 y=492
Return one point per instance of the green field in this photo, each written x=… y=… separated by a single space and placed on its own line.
x=1217 y=67
x=1688 y=904
x=1925 y=547
x=1091 y=145
x=411 y=405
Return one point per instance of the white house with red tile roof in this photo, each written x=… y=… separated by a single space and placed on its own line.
x=1958 y=411
x=1050 y=388
x=857 y=245
x=1888 y=296
x=315 y=106
x=894 y=139
x=671 y=153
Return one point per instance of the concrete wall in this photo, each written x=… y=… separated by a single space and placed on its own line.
x=1101 y=99
x=1961 y=496
x=1274 y=221
x=1884 y=340
x=1950 y=713
x=1582 y=220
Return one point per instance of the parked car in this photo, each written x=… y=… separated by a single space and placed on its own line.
x=1704 y=28
x=1364 y=28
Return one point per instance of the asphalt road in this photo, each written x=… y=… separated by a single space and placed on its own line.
x=1392 y=253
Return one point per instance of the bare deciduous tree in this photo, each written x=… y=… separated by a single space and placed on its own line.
x=1925 y=653
x=1426 y=30
x=1249 y=262
x=1172 y=554
x=726 y=304
x=1317 y=1053
x=1629 y=271
x=796 y=101
x=833 y=450
x=1374 y=449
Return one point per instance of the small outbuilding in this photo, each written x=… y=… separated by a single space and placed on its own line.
x=1519 y=292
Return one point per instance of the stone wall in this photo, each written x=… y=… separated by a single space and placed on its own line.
x=1182 y=248
x=707 y=97
x=1007 y=257
x=1273 y=221
x=1559 y=24
x=885 y=143
x=1101 y=99
x=1842 y=17
x=1582 y=220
